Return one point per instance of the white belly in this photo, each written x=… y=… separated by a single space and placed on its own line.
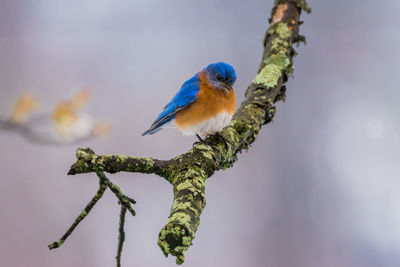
x=209 y=126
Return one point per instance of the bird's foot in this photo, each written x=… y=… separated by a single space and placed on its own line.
x=201 y=141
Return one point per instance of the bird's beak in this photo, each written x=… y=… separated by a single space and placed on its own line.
x=227 y=87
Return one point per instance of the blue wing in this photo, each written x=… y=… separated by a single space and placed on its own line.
x=185 y=96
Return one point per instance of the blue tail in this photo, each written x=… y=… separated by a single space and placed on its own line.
x=152 y=131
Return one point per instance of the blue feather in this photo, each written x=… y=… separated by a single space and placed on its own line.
x=185 y=96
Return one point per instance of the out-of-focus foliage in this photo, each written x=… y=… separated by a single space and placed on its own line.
x=26 y=105
x=67 y=122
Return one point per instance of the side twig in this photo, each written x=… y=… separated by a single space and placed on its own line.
x=82 y=215
x=121 y=234
x=123 y=200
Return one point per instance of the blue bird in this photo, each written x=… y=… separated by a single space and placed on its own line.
x=204 y=105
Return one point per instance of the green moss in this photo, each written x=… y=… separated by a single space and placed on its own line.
x=173 y=240
x=180 y=259
x=56 y=244
x=278 y=45
x=189 y=183
x=269 y=75
x=302 y=4
x=280 y=60
x=282 y=29
x=83 y=213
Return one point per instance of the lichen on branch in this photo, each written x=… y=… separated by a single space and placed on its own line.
x=187 y=173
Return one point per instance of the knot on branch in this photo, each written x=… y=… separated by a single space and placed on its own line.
x=175 y=239
x=84 y=164
x=84 y=153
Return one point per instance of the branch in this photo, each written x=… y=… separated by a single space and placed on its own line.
x=88 y=161
x=188 y=172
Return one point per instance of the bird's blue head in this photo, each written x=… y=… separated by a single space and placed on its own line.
x=221 y=75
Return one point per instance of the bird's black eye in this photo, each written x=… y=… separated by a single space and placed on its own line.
x=219 y=77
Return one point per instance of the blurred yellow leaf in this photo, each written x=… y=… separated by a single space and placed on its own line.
x=25 y=105
x=65 y=113
x=80 y=99
x=101 y=129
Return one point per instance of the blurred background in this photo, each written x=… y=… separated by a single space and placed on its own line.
x=319 y=187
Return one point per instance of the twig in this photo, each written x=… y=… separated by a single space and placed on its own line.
x=121 y=234
x=123 y=199
x=84 y=213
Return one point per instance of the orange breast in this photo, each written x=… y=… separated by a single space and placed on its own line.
x=209 y=103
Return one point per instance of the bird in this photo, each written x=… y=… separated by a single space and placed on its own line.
x=204 y=104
